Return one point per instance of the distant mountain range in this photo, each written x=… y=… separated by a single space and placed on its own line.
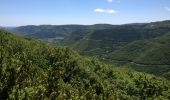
x=142 y=46
x=31 y=69
x=54 y=31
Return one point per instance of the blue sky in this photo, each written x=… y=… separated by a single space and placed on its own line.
x=57 y=12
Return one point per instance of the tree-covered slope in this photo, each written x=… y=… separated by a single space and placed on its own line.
x=102 y=42
x=47 y=31
x=54 y=31
x=128 y=44
x=153 y=54
x=33 y=70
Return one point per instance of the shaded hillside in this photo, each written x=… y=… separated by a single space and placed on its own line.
x=47 y=31
x=33 y=70
x=153 y=54
x=54 y=31
x=132 y=45
x=102 y=42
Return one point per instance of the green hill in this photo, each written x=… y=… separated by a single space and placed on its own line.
x=46 y=31
x=143 y=47
x=30 y=69
x=147 y=55
x=54 y=34
x=102 y=42
x=53 y=31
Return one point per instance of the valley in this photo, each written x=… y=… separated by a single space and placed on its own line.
x=85 y=50
x=35 y=70
x=143 y=47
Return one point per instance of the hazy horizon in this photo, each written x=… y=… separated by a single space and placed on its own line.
x=82 y=12
x=82 y=24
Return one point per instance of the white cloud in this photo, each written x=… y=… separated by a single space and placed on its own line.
x=98 y=10
x=109 y=11
x=109 y=0
x=167 y=8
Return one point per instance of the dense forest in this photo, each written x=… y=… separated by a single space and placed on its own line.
x=54 y=31
x=103 y=42
x=152 y=56
x=144 y=47
x=141 y=46
x=31 y=69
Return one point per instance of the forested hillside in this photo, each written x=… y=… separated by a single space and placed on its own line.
x=30 y=69
x=151 y=56
x=47 y=31
x=143 y=47
x=102 y=42
x=54 y=31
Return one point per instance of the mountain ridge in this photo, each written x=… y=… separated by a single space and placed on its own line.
x=32 y=69
x=102 y=40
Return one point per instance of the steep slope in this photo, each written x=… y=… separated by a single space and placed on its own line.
x=33 y=70
x=47 y=31
x=147 y=55
x=102 y=42
x=128 y=45
x=54 y=31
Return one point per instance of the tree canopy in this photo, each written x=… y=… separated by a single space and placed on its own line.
x=30 y=69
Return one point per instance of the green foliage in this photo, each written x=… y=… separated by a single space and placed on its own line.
x=47 y=31
x=33 y=70
x=143 y=47
x=151 y=56
x=102 y=42
x=54 y=31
